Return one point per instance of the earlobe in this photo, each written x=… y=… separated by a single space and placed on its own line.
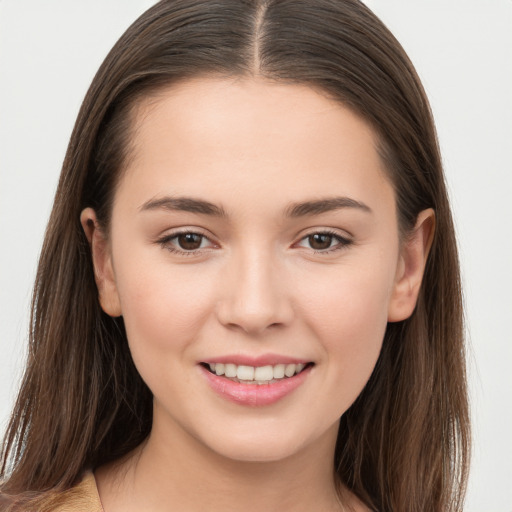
x=411 y=266
x=102 y=263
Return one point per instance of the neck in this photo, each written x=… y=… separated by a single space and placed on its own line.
x=174 y=471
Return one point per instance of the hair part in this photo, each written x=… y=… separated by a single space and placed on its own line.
x=404 y=444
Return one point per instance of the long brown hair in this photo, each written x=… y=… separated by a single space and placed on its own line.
x=404 y=444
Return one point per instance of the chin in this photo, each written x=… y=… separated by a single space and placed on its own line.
x=270 y=446
x=258 y=452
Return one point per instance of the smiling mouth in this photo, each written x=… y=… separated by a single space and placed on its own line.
x=258 y=375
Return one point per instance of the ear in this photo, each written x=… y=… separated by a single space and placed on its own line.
x=102 y=262
x=411 y=265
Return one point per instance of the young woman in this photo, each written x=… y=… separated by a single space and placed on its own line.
x=248 y=296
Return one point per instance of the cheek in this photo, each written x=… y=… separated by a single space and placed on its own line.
x=349 y=303
x=164 y=310
x=349 y=316
x=163 y=307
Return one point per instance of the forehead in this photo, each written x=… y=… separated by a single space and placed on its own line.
x=209 y=107
x=254 y=137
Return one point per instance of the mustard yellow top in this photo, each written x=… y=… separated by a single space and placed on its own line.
x=83 y=498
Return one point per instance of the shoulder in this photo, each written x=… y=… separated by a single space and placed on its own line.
x=83 y=497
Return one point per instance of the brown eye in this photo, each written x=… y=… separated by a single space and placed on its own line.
x=320 y=241
x=189 y=241
x=186 y=243
x=324 y=242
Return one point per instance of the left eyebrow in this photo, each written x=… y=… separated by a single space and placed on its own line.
x=324 y=205
x=187 y=204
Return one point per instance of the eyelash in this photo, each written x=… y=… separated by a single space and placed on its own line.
x=166 y=240
x=343 y=242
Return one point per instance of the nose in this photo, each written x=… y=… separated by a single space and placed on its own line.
x=255 y=296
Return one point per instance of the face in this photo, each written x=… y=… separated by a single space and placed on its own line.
x=254 y=235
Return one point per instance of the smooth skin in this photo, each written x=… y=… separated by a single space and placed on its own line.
x=249 y=278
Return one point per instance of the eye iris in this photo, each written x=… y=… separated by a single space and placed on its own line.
x=189 y=241
x=320 y=241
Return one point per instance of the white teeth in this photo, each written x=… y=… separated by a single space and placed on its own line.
x=256 y=375
x=289 y=371
x=245 y=372
x=264 y=373
x=230 y=370
x=279 y=371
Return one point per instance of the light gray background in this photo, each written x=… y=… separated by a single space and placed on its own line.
x=49 y=52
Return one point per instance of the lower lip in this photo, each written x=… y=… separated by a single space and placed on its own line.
x=254 y=394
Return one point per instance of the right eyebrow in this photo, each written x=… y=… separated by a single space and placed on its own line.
x=319 y=206
x=186 y=204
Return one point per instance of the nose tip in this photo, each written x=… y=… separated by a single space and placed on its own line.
x=246 y=317
x=254 y=300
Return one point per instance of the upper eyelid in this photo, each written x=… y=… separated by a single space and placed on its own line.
x=336 y=232
x=342 y=240
x=183 y=231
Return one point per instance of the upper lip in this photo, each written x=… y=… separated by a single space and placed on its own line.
x=261 y=360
